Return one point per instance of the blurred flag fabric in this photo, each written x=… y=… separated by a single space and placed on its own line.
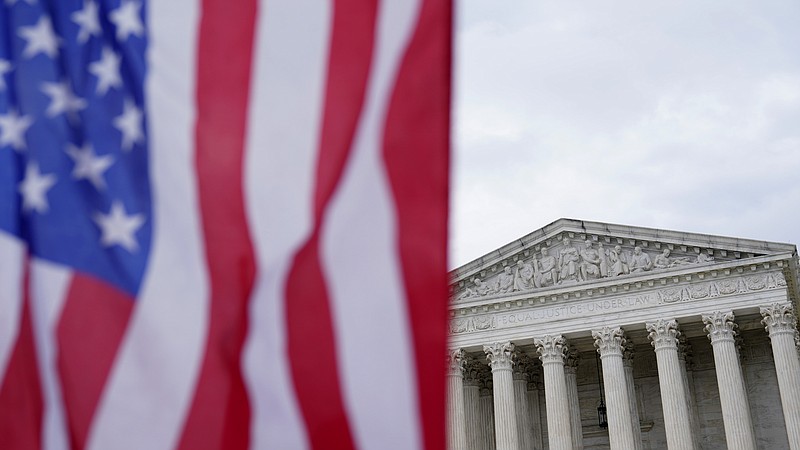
x=223 y=223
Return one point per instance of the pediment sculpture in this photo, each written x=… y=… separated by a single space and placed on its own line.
x=568 y=265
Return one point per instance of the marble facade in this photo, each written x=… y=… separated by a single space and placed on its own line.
x=692 y=337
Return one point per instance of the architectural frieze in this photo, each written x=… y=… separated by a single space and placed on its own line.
x=644 y=279
x=572 y=266
x=635 y=296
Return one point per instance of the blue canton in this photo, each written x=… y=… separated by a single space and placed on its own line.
x=74 y=181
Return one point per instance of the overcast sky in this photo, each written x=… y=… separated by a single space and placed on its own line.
x=668 y=114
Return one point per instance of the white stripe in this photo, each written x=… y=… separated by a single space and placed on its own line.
x=290 y=65
x=12 y=260
x=49 y=287
x=362 y=265
x=153 y=380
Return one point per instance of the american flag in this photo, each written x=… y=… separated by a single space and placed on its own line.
x=223 y=223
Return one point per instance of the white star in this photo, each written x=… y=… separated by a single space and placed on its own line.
x=34 y=189
x=106 y=69
x=13 y=128
x=87 y=19
x=119 y=228
x=5 y=67
x=127 y=19
x=62 y=100
x=88 y=165
x=41 y=39
x=129 y=123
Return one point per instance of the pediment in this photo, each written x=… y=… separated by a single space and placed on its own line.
x=578 y=253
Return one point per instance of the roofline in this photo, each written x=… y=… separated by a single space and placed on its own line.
x=634 y=232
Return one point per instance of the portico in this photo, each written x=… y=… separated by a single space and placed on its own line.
x=684 y=357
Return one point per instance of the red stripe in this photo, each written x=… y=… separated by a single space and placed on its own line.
x=309 y=327
x=416 y=151
x=94 y=314
x=220 y=413
x=352 y=41
x=21 y=403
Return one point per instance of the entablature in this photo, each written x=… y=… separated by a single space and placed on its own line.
x=739 y=285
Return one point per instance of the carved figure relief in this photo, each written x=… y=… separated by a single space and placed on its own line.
x=664 y=261
x=569 y=265
x=505 y=281
x=479 y=289
x=602 y=254
x=640 y=261
x=545 y=273
x=523 y=277
x=619 y=262
x=702 y=258
x=590 y=262
x=568 y=259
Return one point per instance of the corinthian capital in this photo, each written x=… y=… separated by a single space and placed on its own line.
x=522 y=365
x=685 y=351
x=472 y=369
x=500 y=355
x=456 y=360
x=797 y=343
x=720 y=326
x=627 y=354
x=663 y=334
x=779 y=319
x=609 y=341
x=551 y=348
x=572 y=360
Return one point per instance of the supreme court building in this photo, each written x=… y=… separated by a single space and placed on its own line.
x=689 y=340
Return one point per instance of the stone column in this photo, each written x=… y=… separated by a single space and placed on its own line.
x=685 y=360
x=732 y=393
x=534 y=386
x=797 y=343
x=486 y=403
x=571 y=378
x=559 y=432
x=610 y=342
x=664 y=337
x=781 y=325
x=472 y=388
x=524 y=428
x=627 y=364
x=500 y=356
x=456 y=422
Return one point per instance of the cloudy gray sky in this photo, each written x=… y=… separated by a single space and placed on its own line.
x=682 y=115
